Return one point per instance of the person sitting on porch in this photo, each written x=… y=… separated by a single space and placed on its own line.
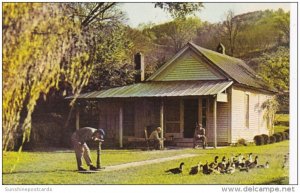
x=199 y=135
x=157 y=140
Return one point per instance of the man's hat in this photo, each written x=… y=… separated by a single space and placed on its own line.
x=101 y=131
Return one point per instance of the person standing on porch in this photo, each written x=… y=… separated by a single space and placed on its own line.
x=199 y=135
x=158 y=140
x=79 y=139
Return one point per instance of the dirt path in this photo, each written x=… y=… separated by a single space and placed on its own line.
x=146 y=162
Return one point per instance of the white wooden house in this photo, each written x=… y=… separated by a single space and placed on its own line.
x=197 y=85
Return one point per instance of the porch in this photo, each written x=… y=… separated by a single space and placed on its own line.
x=175 y=106
x=124 y=120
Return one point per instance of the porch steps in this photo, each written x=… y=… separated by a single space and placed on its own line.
x=183 y=142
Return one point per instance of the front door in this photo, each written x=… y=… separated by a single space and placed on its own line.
x=190 y=117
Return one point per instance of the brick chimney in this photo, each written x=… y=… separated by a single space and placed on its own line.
x=139 y=67
x=221 y=48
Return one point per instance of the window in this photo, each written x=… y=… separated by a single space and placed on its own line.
x=246 y=102
x=172 y=113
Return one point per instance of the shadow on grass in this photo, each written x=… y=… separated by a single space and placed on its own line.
x=278 y=181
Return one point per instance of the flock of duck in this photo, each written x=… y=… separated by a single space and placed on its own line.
x=225 y=166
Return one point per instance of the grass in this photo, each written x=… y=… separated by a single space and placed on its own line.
x=282 y=117
x=282 y=122
x=59 y=167
x=280 y=128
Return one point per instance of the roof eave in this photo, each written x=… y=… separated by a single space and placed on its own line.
x=256 y=88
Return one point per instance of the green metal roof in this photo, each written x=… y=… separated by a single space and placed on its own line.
x=237 y=69
x=161 y=89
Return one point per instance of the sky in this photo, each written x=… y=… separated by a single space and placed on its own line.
x=138 y=13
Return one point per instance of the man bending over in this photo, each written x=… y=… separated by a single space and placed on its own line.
x=79 y=139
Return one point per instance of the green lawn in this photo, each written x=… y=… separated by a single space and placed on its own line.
x=282 y=122
x=59 y=167
x=282 y=117
x=280 y=128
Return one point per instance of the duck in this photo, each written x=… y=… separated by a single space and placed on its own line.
x=253 y=164
x=228 y=164
x=242 y=164
x=222 y=165
x=230 y=169
x=238 y=161
x=266 y=165
x=176 y=170
x=215 y=163
x=250 y=160
x=194 y=170
x=206 y=169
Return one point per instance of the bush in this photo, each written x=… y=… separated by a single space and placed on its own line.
x=278 y=137
x=272 y=139
x=287 y=131
x=258 y=140
x=266 y=138
x=287 y=136
x=282 y=136
x=241 y=142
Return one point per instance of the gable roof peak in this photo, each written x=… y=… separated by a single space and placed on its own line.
x=234 y=68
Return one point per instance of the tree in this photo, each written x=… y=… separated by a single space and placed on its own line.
x=112 y=63
x=256 y=32
x=208 y=35
x=282 y=22
x=96 y=14
x=274 y=68
x=270 y=108
x=141 y=41
x=179 y=10
x=230 y=29
x=175 y=34
x=41 y=46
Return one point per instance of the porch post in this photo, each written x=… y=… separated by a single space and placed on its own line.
x=121 y=126
x=99 y=114
x=77 y=117
x=215 y=121
x=162 y=120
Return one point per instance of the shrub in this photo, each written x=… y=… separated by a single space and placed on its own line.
x=282 y=136
x=241 y=142
x=287 y=136
x=278 y=137
x=265 y=138
x=287 y=131
x=258 y=140
x=272 y=139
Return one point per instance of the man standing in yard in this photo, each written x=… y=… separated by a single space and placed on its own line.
x=199 y=135
x=157 y=140
x=79 y=139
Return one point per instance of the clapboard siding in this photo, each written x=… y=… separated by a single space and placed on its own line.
x=189 y=67
x=223 y=121
x=256 y=121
